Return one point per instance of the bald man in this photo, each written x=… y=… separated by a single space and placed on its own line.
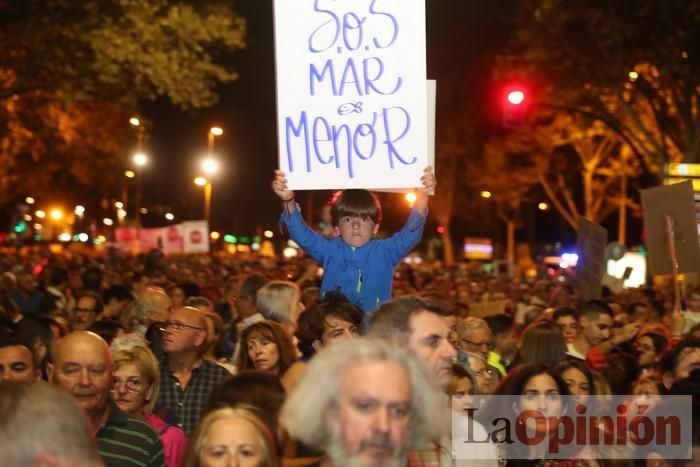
x=82 y=366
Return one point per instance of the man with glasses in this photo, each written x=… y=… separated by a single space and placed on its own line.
x=186 y=377
x=474 y=336
x=82 y=366
x=88 y=306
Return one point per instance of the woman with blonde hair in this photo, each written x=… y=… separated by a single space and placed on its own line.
x=280 y=301
x=232 y=436
x=136 y=381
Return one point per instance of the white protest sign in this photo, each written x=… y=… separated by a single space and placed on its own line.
x=351 y=93
x=195 y=236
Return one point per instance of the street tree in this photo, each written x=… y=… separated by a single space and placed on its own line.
x=634 y=66
x=509 y=173
x=72 y=72
x=586 y=166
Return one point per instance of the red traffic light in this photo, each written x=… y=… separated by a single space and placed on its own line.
x=513 y=108
x=516 y=97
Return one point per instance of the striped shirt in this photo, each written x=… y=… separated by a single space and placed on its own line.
x=188 y=403
x=125 y=441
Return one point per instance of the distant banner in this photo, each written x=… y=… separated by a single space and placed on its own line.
x=187 y=237
x=351 y=93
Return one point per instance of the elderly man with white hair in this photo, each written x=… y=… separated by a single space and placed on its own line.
x=365 y=403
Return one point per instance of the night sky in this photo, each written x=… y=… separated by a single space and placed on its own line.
x=460 y=37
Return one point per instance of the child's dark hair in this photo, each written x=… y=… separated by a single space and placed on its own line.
x=354 y=203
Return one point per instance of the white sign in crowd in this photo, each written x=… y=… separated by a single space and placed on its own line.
x=351 y=93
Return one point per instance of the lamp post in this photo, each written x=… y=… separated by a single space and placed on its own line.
x=213 y=133
x=140 y=159
x=209 y=166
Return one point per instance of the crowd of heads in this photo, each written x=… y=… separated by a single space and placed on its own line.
x=277 y=373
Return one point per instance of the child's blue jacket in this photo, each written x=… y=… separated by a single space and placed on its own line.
x=365 y=274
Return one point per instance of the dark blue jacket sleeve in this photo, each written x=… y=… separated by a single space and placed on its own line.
x=313 y=243
x=402 y=242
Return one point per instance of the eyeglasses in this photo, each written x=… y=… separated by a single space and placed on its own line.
x=177 y=326
x=132 y=384
x=475 y=344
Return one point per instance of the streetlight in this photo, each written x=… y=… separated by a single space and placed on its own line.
x=410 y=198
x=213 y=133
x=140 y=159
x=210 y=167
x=56 y=215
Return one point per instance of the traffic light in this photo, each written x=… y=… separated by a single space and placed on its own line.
x=514 y=108
x=20 y=227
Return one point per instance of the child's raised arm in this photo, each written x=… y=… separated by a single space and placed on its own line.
x=279 y=186
x=428 y=188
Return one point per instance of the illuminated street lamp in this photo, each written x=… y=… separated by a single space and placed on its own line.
x=129 y=174
x=543 y=206
x=410 y=198
x=213 y=133
x=40 y=214
x=485 y=194
x=210 y=167
x=56 y=214
x=29 y=200
x=140 y=159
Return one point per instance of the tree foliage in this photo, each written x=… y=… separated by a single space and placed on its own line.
x=509 y=172
x=71 y=73
x=634 y=66
x=580 y=163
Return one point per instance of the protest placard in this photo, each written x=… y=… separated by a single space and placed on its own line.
x=676 y=202
x=590 y=268
x=351 y=93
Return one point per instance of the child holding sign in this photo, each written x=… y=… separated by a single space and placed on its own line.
x=355 y=264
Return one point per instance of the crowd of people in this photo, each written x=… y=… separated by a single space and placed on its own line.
x=349 y=356
x=230 y=360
